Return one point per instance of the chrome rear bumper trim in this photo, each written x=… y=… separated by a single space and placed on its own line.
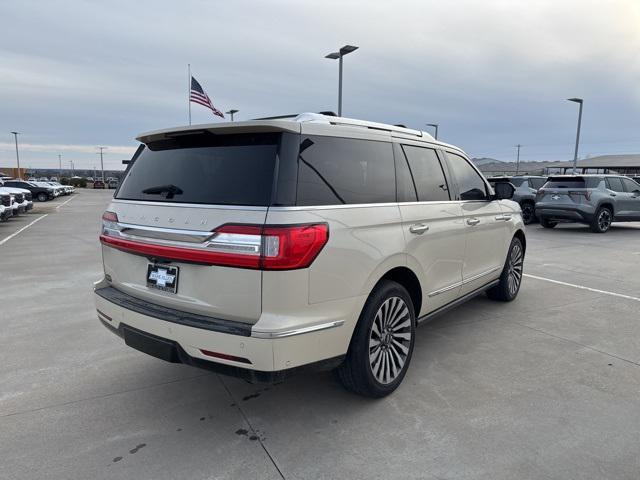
x=296 y=331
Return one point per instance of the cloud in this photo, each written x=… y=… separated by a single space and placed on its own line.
x=492 y=73
x=57 y=148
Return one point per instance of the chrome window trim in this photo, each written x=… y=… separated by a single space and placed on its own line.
x=295 y=331
x=358 y=205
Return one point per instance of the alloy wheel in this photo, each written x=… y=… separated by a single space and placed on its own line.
x=390 y=340
x=516 y=261
x=604 y=220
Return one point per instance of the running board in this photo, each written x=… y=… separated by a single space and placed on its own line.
x=445 y=308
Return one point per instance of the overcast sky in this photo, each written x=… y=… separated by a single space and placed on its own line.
x=492 y=73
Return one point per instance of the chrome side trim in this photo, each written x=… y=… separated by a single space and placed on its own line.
x=445 y=289
x=464 y=282
x=296 y=331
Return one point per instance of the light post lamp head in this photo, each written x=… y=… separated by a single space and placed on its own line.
x=342 y=52
x=576 y=100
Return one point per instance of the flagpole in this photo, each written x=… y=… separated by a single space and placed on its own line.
x=189 y=91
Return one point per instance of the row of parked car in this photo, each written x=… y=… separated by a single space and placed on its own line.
x=16 y=196
x=595 y=200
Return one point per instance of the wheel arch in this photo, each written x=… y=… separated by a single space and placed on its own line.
x=519 y=234
x=409 y=280
x=607 y=204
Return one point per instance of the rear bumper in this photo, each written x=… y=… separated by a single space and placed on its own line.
x=241 y=349
x=570 y=214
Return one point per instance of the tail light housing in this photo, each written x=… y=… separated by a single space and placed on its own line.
x=268 y=247
x=585 y=193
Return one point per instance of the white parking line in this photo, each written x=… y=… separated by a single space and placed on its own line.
x=64 y=203
x=3 y=241
x=582 y=287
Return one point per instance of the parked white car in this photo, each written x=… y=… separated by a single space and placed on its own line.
x=309 y=242
x=5 y=206
x=22 y=201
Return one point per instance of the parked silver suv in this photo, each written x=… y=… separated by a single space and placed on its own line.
x=596 y=200
x=525 y=195
x=257 y=248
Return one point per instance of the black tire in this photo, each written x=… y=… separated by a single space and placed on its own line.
x=528 y=212
x=601 y=220
x=546 y=223
x=42 y=197
x=511 y=277
x=367 y=366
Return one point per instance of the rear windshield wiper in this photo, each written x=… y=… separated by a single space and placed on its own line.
x=170 y=190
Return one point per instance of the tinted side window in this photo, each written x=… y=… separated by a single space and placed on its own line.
x=470 y=183
x=334 y=171
x=630 y=185
x=427 y=173
x=615 y=184
x=405 y=186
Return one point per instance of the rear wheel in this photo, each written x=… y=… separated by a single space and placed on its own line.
x=546 y=223
x=42 y=197
x=382 y=343
x=601 y=220
x=528 y=212
x=511 y=278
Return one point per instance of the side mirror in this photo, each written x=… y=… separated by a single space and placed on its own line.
x=504 y=190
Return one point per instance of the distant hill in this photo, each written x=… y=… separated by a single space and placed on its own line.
x=484 y=161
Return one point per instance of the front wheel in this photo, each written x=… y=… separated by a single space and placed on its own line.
x=511 y=278
x=42 y=197
x=382 y=343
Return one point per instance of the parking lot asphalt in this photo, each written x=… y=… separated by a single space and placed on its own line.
x=544 y=387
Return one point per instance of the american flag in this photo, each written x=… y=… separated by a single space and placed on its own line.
x=198 y=95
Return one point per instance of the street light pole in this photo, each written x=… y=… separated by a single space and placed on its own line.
x=338 y=55
x=15 y=135
x=59 y=167
x=580 y=101
x=518 y=159
x=434 y=125
x=232 y=112
x=101 y=163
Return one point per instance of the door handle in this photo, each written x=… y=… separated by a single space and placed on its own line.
x=506 y=217
x=418 y=228
x=473 y=221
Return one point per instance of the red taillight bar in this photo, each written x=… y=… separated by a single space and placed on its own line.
x=190 y=255
x=281 y=247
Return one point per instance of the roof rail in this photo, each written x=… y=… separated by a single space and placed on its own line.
x=293 y=115
x=332 y=119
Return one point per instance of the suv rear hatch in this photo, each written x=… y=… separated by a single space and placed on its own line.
x=563 y=191
x=185 y=229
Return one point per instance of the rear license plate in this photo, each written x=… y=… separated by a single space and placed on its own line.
x=162 y=277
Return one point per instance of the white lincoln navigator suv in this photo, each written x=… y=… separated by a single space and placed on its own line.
x=259 y=248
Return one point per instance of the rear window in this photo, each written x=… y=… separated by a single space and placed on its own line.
x=572 y=182
x=537 y=182
x=206 y=169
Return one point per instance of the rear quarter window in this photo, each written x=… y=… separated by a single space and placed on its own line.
x=339 y=171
